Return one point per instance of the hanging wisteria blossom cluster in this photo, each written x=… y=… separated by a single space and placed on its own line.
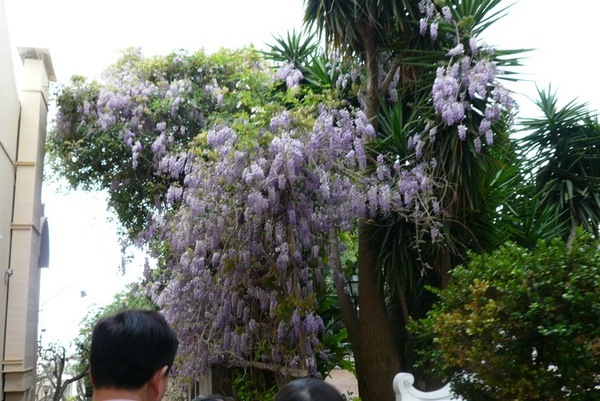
x=251 y=236
x=291 y=75
x=468 y=76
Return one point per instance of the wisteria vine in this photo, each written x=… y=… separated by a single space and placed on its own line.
x=252 y=232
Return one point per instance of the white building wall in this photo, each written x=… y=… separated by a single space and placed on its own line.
x=23 y=122
x=9 y=125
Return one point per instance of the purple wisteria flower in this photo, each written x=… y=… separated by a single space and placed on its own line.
x=457 y=50
x=473 y=45
x=175 y=164
x=160 y=127
x=427 y=7
x=423 y=25
x=222 y=139
x=477 y=144
x=216 y=91
x=136 y=150
x=446 y=101
x=253 y=174
x=479 y=78
x=493 y=112
x=485 y=126
x=433 y=30
x=462 y=132
x=447 y=13
x=281 y=121
x=290 y=74
x=468 y=76
x=174 y=194
x=435 y=233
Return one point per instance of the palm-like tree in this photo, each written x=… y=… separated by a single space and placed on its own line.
x=387 y=265
x=563 y=154
x=361 y=28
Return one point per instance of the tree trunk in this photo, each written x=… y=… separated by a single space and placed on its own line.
x=61 y=390
x=379 y=361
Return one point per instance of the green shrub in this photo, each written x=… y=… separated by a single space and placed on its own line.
x=520 y=324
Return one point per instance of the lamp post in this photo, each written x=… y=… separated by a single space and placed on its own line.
x=82 y=294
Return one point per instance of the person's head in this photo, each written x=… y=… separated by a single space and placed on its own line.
x=131 y=348
x=308 y=389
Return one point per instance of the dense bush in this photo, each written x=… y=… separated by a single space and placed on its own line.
x=521 y=324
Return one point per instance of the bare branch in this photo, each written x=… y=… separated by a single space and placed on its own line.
x=63 y=387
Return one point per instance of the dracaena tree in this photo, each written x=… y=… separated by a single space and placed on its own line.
x=431 y=90
x=562 y=147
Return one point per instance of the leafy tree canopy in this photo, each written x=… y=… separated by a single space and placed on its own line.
x=114 y=135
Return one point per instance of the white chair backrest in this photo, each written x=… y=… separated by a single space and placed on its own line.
x=403 y=387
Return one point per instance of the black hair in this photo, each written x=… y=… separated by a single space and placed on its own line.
x=308 y=389
x=129 y=347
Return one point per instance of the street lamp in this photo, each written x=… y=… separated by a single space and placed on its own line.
x=82 y=294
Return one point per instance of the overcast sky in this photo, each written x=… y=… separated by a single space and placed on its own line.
x=84 y=38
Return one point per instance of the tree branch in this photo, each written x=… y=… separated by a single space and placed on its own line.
x=280 y=369
x=346 y=305
x=390 y=75
x=63 y=387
